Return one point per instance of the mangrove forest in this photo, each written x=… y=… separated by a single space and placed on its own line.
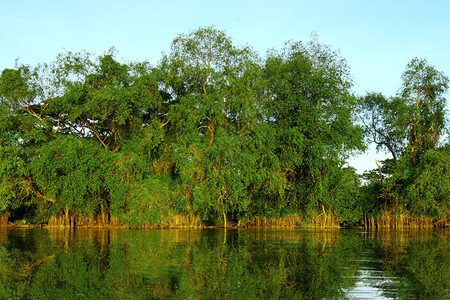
x=216 y=135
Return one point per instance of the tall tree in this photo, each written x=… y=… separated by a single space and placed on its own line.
x=311 y=108
x=216 y=92
x=380 y=119
x=23 y=129
x=103 y=99
x=410 y=126
x=423 y=90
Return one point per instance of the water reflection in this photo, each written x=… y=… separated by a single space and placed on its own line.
x=219 y=264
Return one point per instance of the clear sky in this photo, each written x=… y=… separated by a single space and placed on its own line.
x=377 y=38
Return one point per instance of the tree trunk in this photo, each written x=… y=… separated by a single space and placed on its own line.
x=103 y=214
x=66 y=217
x=379 y=169
x=365 y=221
x=224 y=217
x=4 y=218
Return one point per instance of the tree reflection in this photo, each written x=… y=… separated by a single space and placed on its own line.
x=418 y=260
x=423 y=268
x=214 y=264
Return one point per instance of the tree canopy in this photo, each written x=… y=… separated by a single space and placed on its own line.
x=215 y=132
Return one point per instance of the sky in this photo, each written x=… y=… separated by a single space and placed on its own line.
x=377 y=38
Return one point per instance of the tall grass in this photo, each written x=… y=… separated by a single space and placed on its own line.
x=293 y=221
x=389 y=220
x=4 y=219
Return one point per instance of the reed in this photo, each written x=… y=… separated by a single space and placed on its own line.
x=265 y=222
x=293 y=221
x=4 y=235
x=74 y=220
x=102 y=220
x=185 y=221
x=324 y=220
x=390 y=220
x=61 y=221
x=4 y=218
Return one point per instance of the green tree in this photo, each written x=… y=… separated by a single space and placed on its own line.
x=63 y=126
x=422 y=189
x=380 y=119
x=409 y=126
x=23 y=130
x=73 y=178
x=215 y=91
x=104 y=99
x=423 y=90
x=311 y=110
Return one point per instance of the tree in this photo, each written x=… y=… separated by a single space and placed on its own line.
x=104 y=100
x=215 y=93
x=410 y=126
x=92 y=107
x=22 y=131
x=380 y=119
x=423 y=91
x=311 y=110
x=213 y=131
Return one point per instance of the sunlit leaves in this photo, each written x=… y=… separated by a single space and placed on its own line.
x=213 y=131
x=423 y=89
x=410 y=127
x=72 y=174
x=382 y=121
x=311 y=110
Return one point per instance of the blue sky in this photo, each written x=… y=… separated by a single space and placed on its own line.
x=377 y=38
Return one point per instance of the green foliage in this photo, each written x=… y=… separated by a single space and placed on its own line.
x=22 y=132
x=72 y=173
x=107 y=102
x=311 y=110
x=214 y=131
x=423 y=189
x=410 y=126
x=146 y=202
x=382 y=121
x=216 y=89
x=423 y=89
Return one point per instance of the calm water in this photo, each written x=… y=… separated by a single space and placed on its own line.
x=219 y=264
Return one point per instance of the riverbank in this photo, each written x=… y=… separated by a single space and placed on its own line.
x=385 y=221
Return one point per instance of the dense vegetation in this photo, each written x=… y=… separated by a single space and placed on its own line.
x=213 y=133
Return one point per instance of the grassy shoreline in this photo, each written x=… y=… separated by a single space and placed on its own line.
x=385 y=221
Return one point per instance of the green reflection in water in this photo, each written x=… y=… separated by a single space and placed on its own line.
x=419 y=259
x=218 y=264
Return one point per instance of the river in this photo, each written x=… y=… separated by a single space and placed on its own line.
x=223 y=264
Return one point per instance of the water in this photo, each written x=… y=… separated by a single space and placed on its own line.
x=219 y=264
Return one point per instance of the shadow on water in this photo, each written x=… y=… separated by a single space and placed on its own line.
x=222 y=264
